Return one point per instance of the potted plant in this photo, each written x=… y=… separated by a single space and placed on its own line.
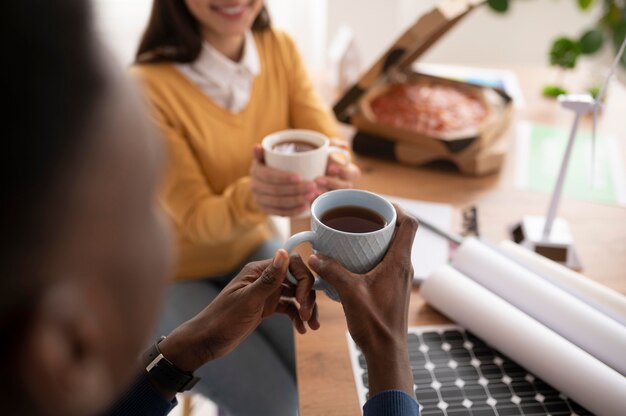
x=610 y=29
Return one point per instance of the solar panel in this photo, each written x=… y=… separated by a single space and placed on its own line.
x=456 y=374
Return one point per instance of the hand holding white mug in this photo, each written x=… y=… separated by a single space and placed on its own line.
x=340 y=173
x=286 y=183
x=279 y=192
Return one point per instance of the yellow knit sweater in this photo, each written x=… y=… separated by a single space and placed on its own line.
x=206 y=190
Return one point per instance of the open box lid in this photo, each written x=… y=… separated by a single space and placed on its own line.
x=405 y=50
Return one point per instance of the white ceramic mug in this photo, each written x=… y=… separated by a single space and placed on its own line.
x=357 y=252
x=309 y=164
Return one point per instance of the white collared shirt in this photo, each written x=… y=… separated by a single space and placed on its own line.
x=227 y=83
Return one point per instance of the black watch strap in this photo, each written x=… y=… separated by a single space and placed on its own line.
x=165 y=372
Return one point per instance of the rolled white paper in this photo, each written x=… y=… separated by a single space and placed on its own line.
x=600 y=297
x=540 y=350
x=566 y=315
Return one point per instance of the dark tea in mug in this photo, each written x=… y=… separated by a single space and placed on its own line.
x=353 y=219
x=293 y=146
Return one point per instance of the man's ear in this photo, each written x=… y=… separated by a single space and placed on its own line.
x=65 y=361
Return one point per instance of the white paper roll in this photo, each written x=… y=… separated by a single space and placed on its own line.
x=573 y=319
x=541 y=351
x=600 y=297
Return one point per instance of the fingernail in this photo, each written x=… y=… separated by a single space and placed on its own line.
x=295 y=179
x=321 y=181
x=301 y=311
x=279 y=260
x=333 y=170
x=311 y=186
x=314 y=261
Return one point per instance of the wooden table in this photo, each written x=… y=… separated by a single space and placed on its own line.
x=325 y=380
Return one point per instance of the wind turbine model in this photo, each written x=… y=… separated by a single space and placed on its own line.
x=550 y=236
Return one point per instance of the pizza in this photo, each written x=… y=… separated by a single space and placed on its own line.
x=429 y=107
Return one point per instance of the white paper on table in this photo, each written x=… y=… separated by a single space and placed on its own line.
x=430 y=250
x=581 y=324
x=540 y=350
x=600 y=297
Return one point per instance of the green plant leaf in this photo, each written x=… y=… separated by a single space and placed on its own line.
x=584 y=4
x=594 y=91
x=619 y=33
x=618 y=37
x=499 y=5
x=564 y=52
x=553 y=91
x=612 y=14
x=591 y=41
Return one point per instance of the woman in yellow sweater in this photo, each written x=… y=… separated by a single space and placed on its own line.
x=219 y=79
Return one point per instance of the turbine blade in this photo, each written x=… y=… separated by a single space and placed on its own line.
x=602 y=92
x=594 y=125
x=596 y=108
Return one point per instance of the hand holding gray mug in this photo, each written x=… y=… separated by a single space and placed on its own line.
x=376 y=305
x=352 y=226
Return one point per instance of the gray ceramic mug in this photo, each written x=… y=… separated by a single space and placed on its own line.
x=357 y=252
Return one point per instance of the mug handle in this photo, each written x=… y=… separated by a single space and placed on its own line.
x=319 y=284
x=336 y=149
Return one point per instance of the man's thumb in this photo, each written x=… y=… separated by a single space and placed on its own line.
x=273 y=276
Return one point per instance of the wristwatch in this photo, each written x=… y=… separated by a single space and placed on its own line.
x=164 y=372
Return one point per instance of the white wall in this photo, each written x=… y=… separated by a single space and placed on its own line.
x=120 y=24
x=306 y=21
x=521 y=36
x=373 y=22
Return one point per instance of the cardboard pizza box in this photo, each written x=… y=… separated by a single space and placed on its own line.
x=470 y=148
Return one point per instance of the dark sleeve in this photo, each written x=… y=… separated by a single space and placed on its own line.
x=142 y=399
x=391 y=403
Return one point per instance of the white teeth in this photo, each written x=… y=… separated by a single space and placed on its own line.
x=232 y=10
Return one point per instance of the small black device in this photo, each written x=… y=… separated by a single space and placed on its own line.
x=165 y=372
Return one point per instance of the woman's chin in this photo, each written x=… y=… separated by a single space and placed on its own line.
x=228 y=30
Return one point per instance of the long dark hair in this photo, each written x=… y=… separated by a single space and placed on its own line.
x=173 y=34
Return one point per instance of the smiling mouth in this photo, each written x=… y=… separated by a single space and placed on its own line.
x=231 y=11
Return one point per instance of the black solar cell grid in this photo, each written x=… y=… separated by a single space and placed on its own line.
x=457 y=374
